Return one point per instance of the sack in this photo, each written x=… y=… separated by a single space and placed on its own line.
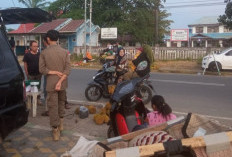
x=150 y=138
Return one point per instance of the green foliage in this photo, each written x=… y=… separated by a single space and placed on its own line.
x=67 y=9
x=133 y=17
x=35 y=3
x=76 y=58
x=199 y=61
x=148 y=51
x=226 y=19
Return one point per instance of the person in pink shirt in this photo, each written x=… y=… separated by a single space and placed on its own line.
x=162 y=112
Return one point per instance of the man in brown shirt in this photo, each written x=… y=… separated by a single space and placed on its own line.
x=55 y=64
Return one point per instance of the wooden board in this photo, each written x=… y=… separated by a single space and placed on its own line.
x=149 y=150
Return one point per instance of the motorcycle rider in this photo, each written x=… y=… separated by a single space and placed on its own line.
x=140 y=66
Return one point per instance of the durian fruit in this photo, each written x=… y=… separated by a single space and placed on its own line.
x=92 y=109
x=103 y=111
x=108 y=112
x=99 y=119
x=108 y=106
x=77 y=110
x=106 y=119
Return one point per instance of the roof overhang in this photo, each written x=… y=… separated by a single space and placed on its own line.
x=202 y=25
x=24 y=15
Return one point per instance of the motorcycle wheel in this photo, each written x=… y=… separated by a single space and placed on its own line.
x=110 y=132
x=145 y=93
x=93 y=93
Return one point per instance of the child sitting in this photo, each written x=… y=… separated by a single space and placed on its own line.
x=162 y=112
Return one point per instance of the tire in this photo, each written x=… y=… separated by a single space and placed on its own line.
x=110 y=132
x=145 y=93
x=93 y=93
x=213 y=67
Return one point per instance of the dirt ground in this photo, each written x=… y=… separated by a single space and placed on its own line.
x=73 y=124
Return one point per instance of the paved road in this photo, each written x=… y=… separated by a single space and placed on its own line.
x=207 y=95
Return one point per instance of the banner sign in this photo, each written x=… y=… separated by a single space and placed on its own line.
x=179 y=34
x=109 y=33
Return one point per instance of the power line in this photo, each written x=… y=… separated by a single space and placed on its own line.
x=13 y=2
x=215 y=11
x=194 y=5
x=191 y=2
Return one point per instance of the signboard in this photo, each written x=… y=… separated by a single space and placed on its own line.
x=109 y=33
x=179 y=34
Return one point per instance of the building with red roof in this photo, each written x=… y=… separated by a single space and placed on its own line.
x=21 y=35
x=71 y=33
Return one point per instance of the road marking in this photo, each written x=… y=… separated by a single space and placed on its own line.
x=208 y=116
x=185 y=82
x=182 y=113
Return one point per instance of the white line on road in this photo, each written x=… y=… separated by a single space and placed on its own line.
x=215 y=117
x=208 y=116
x=185 y=82
x=182 y=113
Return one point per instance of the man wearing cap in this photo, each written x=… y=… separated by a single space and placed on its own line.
x=140 y=65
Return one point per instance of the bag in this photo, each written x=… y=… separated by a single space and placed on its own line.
x=175 y=149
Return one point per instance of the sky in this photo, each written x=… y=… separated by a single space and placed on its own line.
x=182 y=16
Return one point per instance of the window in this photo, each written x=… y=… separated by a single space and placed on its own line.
x=213 y=29
x=227 y=30
x=229 y=53
x=199 y=29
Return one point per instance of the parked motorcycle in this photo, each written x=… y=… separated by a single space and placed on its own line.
x=105 y=78
x=127 y=111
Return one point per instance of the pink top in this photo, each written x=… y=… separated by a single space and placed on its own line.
x=155 y=118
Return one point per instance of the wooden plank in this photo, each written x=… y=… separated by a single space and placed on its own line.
x=131 y=135
x=149 y=150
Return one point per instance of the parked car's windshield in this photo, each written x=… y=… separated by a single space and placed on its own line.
x=225 y=50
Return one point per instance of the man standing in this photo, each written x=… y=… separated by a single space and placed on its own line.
x=55 y=64
x=31 y=62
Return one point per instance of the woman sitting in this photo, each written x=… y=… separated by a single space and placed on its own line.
x=121 y=64
x=162 y=112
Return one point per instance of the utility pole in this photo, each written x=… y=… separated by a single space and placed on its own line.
x=157 y=26
x=90 y=26
x=85 y=31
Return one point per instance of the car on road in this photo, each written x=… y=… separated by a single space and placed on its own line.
x=13 y=110
x=223 y=60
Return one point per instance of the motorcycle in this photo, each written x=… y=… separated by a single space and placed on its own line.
x=128 y=111
x=98 y=87
x=105 y=78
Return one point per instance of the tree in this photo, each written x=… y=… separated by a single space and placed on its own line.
x=132 y=17
x=34 y=3
x=226 y=19
x=68 y=9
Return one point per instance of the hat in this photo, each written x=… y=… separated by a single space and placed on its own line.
x=140 y=49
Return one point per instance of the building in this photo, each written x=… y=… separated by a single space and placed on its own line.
x=205 y=32
x=22 y=37
x=72 y=33
x=208 y=32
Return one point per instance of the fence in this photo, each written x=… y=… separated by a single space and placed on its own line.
x=162 y=53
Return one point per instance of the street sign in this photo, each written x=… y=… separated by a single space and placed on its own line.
x=179 y=34
x=109 y=33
